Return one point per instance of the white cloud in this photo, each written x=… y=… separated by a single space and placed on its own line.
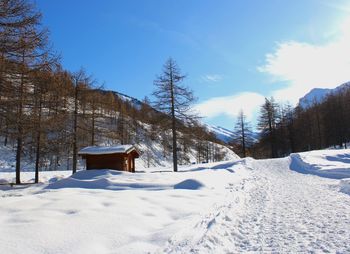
x=211 y=78
x=230 y=105
x=342 y=6
x=305 y=66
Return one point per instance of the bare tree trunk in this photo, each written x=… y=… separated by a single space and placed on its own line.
x=20 y=130
x=38 y=140
x=121 y=125
x=243 y=136
x=75 y=128
x=6 y=131
x=93 y=127
x=173 y=124
x=37 y=159
x=18 y=158
x=318 y=123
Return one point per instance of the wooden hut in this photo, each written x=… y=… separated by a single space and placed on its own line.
x=120 y=157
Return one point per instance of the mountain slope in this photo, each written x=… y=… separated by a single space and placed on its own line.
x=319 y=94
x=220 y=133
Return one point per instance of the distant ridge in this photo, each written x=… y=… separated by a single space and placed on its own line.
x=221 y=133
x=136 y=102
x=319 y=94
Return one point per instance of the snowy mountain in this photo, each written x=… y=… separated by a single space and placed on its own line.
x=226 y=135
x=221 y=133
x=319 y=94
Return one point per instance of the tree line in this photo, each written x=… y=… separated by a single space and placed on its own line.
x=284 y=129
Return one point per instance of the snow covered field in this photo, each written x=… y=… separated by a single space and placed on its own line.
x=237 y=206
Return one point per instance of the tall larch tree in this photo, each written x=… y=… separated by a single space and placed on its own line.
x=173 y=99
x=81 y=84
x=268 y=120
x=24 y=44
x=243 y=133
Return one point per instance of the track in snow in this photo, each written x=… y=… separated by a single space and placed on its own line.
x=274 y=210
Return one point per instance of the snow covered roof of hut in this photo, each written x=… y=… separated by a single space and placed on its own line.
x=96 y=150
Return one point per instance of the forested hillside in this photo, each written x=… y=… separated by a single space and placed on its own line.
x=47 y=113
x=323 y=124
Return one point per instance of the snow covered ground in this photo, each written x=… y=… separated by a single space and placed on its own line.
x=108 y=211
x=239 y=206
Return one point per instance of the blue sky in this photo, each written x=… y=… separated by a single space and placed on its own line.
x=234 y=52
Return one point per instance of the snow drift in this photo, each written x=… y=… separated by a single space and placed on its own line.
x=325 y=163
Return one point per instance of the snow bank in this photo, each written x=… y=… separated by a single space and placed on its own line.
x=103 y=180
x=325 y=163
x=189 y=184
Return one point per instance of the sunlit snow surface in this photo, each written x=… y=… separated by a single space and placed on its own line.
x=239 y=206
x=96 y=150
x=325 y=163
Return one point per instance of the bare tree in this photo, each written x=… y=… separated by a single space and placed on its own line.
x=24 y=45
x=243 y=133
x=81 y=81
x=173 y=99
x=40 y=89
x=268 y=121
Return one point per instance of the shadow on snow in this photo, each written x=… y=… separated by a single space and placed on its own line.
x=104 y=180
